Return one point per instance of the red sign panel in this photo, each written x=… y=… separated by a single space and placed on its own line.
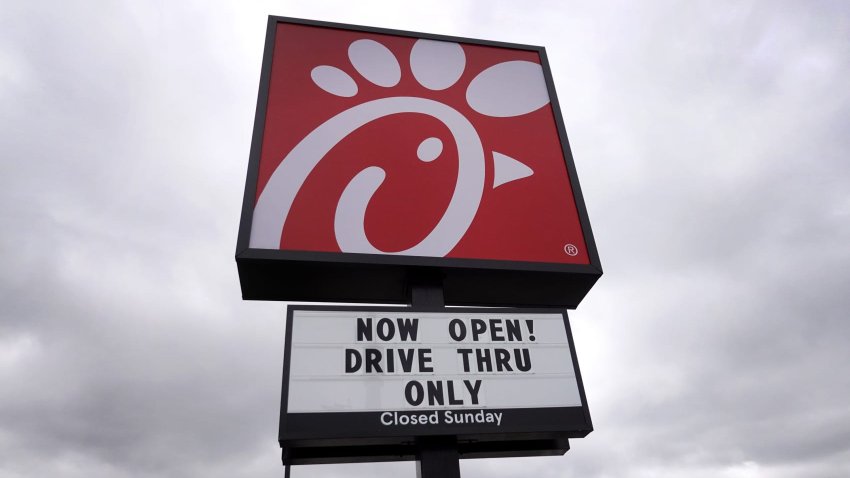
x=392 y=143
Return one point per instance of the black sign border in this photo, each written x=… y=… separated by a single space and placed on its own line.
x=268 y=274
x=342 y=437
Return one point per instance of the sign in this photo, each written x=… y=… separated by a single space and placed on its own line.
x=378 y=154
x=486 y=375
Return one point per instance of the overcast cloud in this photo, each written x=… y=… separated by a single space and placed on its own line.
x=711 y=140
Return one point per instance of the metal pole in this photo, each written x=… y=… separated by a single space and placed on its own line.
x=436 y=456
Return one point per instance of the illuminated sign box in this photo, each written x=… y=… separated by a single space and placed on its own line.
x=378 y=155
x=361 y=383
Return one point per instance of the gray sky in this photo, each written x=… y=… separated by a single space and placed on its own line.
x=711 y=142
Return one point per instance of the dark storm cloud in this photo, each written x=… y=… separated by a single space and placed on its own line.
x=710 y=141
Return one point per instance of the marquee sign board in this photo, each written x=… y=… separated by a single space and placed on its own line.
x=360 y=384
x=381 y=154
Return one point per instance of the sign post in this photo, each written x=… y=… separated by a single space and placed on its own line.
x=434 y=173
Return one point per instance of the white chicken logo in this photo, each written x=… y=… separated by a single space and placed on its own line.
x=511 y=88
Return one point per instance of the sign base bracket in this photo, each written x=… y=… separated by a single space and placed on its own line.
x=437 y=457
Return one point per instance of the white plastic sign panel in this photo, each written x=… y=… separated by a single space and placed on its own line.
x=349 y=361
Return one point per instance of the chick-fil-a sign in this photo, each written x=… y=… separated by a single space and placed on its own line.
x=395 y=145
x=392 y=144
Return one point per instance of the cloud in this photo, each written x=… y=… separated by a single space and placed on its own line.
x=710 y=142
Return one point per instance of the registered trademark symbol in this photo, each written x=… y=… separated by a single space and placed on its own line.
x=571 y=250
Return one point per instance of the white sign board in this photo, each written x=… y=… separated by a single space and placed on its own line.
x=379 y=361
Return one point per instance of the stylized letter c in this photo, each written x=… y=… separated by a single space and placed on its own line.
x=276 y=200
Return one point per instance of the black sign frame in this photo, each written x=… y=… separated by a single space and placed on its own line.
x=267 y=274
x=352 y=437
